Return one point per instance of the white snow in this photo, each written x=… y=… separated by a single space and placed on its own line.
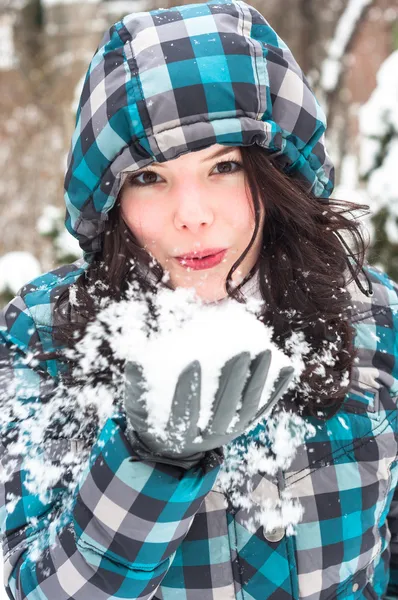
x=51 y=224
x=47 y=223
x=16 y=268
x=378 y=120
x=369 y=177
x=383 y=188
x=239 y=475
x=66 y=245
x=333 y=64
x=380 y=113
x=7 y=51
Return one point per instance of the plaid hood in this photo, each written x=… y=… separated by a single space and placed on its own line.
x=166 y=82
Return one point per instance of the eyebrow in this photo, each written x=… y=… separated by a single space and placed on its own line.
x=221 y=152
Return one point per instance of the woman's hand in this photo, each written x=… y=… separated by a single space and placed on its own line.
x=235 y=408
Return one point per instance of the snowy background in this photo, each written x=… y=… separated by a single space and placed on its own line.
x=348 y=49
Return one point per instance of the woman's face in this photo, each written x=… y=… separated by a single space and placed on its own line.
x=189 y=205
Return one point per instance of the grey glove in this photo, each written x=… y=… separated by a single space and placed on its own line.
x=239 y=392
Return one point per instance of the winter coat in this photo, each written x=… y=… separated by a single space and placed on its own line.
x=144 y=530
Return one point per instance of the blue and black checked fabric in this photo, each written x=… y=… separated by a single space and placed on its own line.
x=152 y=531
x=166 y=82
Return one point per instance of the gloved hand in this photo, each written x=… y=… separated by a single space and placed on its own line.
x=239 y=392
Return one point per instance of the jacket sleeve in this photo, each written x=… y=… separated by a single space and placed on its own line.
x=392 y=590
x=119 y=531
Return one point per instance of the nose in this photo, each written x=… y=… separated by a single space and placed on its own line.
x=193 y=210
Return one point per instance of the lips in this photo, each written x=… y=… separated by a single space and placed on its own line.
x=200 y=253
x=206 y=262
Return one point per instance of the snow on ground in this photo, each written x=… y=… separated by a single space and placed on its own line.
x=16 y=269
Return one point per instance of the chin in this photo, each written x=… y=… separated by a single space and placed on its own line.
x=206 y=294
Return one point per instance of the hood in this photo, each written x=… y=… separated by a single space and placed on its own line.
x=170 y=81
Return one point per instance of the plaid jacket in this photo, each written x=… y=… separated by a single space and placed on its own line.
x=145 y=530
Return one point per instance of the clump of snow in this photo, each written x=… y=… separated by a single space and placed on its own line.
x=272 y=448
x=16 y=268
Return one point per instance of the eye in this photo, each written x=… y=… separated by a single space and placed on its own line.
x=148 y=178
x=225 y=167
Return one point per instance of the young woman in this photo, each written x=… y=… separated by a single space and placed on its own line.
x=198 y=135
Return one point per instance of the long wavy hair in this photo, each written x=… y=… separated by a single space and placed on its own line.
x=304 y=268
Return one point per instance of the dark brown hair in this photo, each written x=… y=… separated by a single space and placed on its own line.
x=303 y=266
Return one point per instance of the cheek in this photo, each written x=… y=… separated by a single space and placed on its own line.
x=240 y=215
x=145 y=221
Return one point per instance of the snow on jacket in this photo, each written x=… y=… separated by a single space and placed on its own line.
x=138 y=529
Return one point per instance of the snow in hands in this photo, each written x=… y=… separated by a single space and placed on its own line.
x=186 y=330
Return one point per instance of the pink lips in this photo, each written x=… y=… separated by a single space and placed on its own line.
x=206 y=259
x=201 y=253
